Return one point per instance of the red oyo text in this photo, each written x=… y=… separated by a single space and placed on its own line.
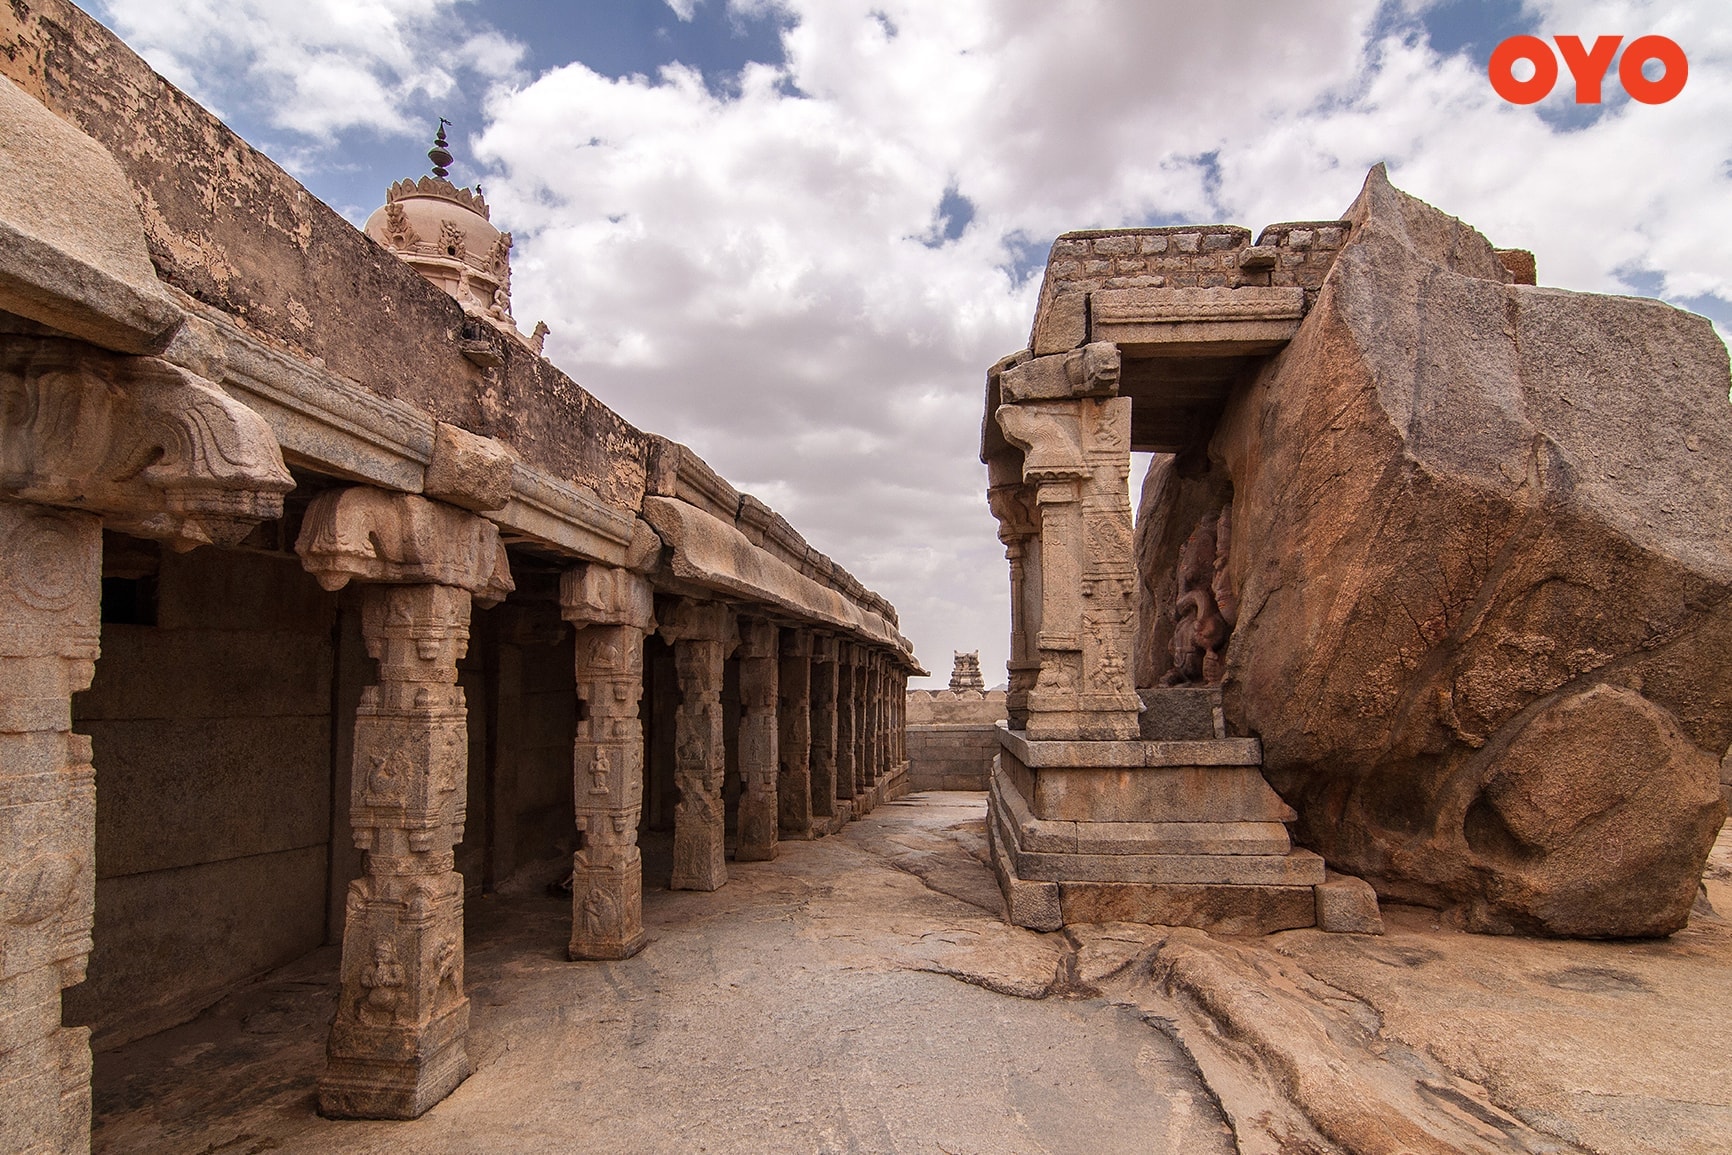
x=1588 y=66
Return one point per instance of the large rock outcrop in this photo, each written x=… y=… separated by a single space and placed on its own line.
x=1481 y=551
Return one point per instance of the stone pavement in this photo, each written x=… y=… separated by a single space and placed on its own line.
x=861 y=995
x=811 y=1005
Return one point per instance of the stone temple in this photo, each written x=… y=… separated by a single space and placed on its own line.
x=332 y=608
x=1439 y=555
x=386 y=605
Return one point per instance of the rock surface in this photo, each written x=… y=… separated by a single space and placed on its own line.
x=1483 y=559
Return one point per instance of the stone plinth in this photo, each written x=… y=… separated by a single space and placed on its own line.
x=1182 y=832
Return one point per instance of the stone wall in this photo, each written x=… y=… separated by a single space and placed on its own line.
x=951 y=739
x=1293 y=254
x=213 y=820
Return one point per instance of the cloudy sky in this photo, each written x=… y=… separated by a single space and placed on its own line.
x=794 y=233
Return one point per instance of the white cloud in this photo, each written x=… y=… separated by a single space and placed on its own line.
x=756 y=273
x=316 y=68
x=748 y=274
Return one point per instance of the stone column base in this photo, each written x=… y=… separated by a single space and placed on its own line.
x=376 y=1088
x=1189 y=835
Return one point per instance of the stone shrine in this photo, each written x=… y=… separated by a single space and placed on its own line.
x=1440 y=554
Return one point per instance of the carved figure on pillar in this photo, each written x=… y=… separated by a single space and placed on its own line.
x=824 y=745
x=613 y=611
x=702 y=634
x=794 y=735
x=759 y=819
x=1075 y=441
x=397 y=1045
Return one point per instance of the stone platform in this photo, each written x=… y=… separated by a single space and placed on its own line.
x=1180 y=832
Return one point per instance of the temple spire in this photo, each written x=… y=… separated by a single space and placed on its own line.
x=440 y=153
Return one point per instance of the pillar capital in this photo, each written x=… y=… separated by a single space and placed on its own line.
x=824 y=648
x=594 y=594
x=156 y=450
x=692 y=620
x=371 y=535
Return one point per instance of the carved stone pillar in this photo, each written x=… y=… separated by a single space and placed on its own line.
x=824 y=745
x=794 y=735
x=146 y=448
x=847 y=674
x=397 y=1045
x=702 y=634
x=1075 y=441
x=49 y=601
x=613 y=610
x=862 y=731
x=874 y=722
x=758 y=737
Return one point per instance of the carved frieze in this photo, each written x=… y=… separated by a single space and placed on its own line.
x=156 y=450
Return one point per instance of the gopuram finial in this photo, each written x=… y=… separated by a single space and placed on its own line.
x=440 y=153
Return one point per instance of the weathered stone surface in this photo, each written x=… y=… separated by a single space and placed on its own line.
x=468 y=470
x=48 y=644
x=1347 y=905
x=1223 y=909
x=72 y=248
x=375 y=536
x=758 y=817
x=612 y=610
x=158 y=451
x=1483 y=568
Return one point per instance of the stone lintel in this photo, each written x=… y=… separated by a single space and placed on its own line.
x=1060 y=754
x=333 y=426
x=468 y=470
x=717 y=556
x=1196 y=322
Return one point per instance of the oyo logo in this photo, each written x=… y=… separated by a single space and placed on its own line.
x=1588 y=66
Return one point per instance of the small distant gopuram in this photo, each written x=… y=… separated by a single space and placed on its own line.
x=1441 y=555
x=965 y=674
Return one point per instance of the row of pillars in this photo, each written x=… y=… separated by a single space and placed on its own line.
x=819 y=732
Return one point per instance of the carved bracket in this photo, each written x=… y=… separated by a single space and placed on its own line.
x=400 y=538
x=1049 y=438
x=1092 y=371
x=602 y=595
x=157 y=451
